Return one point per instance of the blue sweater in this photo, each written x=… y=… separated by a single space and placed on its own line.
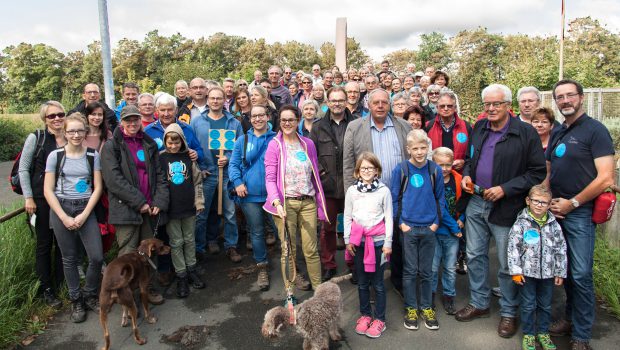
x=448 y=223
x=419 y=204
x=252 y=175
x=156 y=131
x=202 y=126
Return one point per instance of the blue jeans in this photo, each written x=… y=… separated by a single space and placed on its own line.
x=256 y=217
x=479 y=232
x=418 y=252
x=365 y=279
x=536 y=296
x=446 y=249
x=579 y=232
x=208 y=233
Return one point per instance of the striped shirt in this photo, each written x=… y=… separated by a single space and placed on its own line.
x=387 y=148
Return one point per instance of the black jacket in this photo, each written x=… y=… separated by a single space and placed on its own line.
x=330 y=154
x=110 y=116
x=518 y=164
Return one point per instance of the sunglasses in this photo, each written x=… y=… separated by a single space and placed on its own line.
x=445 y=106
x=55 y=115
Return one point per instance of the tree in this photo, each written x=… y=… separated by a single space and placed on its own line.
x=328 y=55
x=400 y=58
x=433 y=51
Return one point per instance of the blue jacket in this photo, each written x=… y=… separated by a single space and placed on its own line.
x=252 y=173
x=201 y=127
x=119 y=108
x=156 y=131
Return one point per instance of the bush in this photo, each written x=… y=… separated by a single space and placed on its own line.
x=613 y=125
x=607 y=274
x=13 y=132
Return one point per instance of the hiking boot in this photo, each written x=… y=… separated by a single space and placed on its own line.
x=201 y=256
x=528 y=343
x=78 y=310
x=165 y=278
x=270 y=239
x=545 y=341
x=362 y=325
x=263 y=276
x=411 y=318
x=353 y=273
x=301 y=283
x=340 y=242
x=580 y=345
x=248 y=243
x=182 y=286
x=497 y=292
x=195 y=280
x=214 y=248
x=461 y=265
x=92 y=304
x=376 y=328
x=430 y=320
x=328 y=274
x=50 y=299
x=155 y=298
x=507 y=327
x=233 y=255
x=448 y=305
x=560 y=328
x=470 y=312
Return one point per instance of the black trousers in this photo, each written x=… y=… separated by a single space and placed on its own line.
x=47 y=252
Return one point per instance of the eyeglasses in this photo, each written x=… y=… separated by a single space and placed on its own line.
x=566 y=97
x=400 y=104
x=432 y=93
x=55 y=115
x=367 y=169
x=494 y=104
x=352 y=92
x=76 y=132
x=243 y=84
x=131 y=120
x=337 y=102
x=216 y=99
x=147 y=105
x=358 y=79
x=198 y=87
x=306 y=82
x=95 y=92
x=538 y=202
x=288 y=121
x=445 y=106
x=260 y=115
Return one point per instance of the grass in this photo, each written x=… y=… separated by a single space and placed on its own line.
x=607 y=274
x=13 y=131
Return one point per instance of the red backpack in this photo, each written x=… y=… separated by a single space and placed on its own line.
x=16 y=185
x=604 y=206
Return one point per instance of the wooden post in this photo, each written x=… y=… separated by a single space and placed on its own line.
x=220 y=184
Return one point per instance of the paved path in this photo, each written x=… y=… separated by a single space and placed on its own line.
x=7 y=196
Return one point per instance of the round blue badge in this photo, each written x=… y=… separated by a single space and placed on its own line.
x=301 y=156
x=461 y=137
x=177 y=178
x=229 y=135
x=531 y=237
x=417 y=181
x=229 y=145
x=81 y=186
x=159 y=142
x=140 y=155
x=560 y=151
x=215 y=144
x=324 y=108
x=214 y=134
x=176 y=167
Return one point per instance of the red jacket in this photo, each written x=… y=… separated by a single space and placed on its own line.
x=460 y=136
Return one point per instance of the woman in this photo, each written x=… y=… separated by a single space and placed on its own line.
x=293 y=89
x=338 y=79
x=241 y=84
x=260 y=97
x=415 y=116
x=72 y=187
x=294 y=193
x=416 y=96
x=309 y=111
x=136 y=185
x=352 y=73
x=408 y=82
x=430 y=109
x=396 y=86
x=441 y=79
x=542 y=121
x=387 y=81
x=305 y=90
x=241 y=108
x=247 y=173
x=98 y=132
x=32 y=163
x=400 y=102
x=318 y=94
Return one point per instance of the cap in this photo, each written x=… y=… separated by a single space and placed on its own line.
x=129 y=111
x=419 y=74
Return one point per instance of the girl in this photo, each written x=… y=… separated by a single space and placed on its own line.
x=72 y=187
x=368 y=215
x=98 y=132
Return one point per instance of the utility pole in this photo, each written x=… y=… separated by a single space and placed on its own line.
x=561 y=73
x=106 y=54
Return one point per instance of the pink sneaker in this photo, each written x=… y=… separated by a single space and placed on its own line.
x=362 y=325
x=376 y=328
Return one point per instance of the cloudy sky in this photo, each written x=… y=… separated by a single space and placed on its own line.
x=380 y=26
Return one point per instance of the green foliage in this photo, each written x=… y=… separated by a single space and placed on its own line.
x=613 y=125
x=400 y=58
x=606 y=273
x=13 y=132
x=433 y=51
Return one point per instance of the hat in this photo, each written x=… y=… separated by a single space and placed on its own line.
x=128 y=111
x=419 y=74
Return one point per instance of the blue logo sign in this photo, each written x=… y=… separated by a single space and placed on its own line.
x=214 y=134
x=177 y=170
x=177 y=178
x=215 y=144
x=324 y=108
x=417 y=181
x=471 y=151
x=229 y=135
x=461 y=137
x=560 y=151
x=301 y=156
x=531 y=237
x=140 y=155
x=81 y=186
x=229 y=145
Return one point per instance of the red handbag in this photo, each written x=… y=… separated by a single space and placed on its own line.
x=604 y=206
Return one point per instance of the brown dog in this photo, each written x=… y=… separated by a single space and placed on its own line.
x=122 y=276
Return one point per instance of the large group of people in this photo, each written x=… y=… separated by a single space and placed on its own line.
x=378 y=164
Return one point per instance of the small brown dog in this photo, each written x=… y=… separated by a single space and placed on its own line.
x=317 y=319
x=122 y=276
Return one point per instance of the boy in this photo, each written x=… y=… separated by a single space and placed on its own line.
x=537 y=259
x=417 y=194
x=449 y=232
x=184 y=181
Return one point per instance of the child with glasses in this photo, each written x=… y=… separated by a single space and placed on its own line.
x=537 y=260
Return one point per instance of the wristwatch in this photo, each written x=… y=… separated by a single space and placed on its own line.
x=574 y=202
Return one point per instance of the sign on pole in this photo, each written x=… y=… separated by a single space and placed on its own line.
x=222 y=140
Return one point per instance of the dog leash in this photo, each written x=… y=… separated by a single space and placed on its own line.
x=148 y=259
x=290 y=298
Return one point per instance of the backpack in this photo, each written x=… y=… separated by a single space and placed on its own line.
x=16 y=185
x=404 y=176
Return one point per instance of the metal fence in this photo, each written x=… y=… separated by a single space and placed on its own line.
x=599 y=103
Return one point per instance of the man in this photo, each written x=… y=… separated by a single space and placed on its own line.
x=580 y=163
x=92 y=94
x=370 y=68
x=418 y=77
x=529 y=99
x=385 y=68
x=328 y=137
x=386 y=137
x=372 y=83
x=258 y=76
x=328 y=80
x=352 y=89
x=130 y=97
x=316 y=75
x=287 y=78
x=216 y=118
x=410 y=68
x=278 y=92
x=429 y=71
x=198 y=104
x=181 y=91
x=425 y=82
x=229 y=85
x=146 y=106
x=506 y=159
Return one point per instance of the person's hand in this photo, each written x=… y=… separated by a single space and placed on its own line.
x=193 y=155
x=458 y=164
x=458 y=234
x=351 y=249
x=404 y=227
x=198 y=211
x=30 y=206
x=434 y=227
x=241 y=190
x=467 y=185
x=205 y=174
x=281 y=212
x=518 y=279
x=387 y=251
x=559 y=281
x=145 y=208
x=79 y=220
x=68 y=222
x=154 y=211
x=460 y=223
x=560 y=207
x=222 y=161
x=493 y=194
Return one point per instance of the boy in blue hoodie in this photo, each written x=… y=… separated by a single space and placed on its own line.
x=418 y=195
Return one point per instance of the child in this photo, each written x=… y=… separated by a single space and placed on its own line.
x=184 y=181
x=368 y=215
x=449 y=231
x=536 y=259
x=417 y=196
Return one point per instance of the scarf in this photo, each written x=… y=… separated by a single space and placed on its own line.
x=363 y=187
